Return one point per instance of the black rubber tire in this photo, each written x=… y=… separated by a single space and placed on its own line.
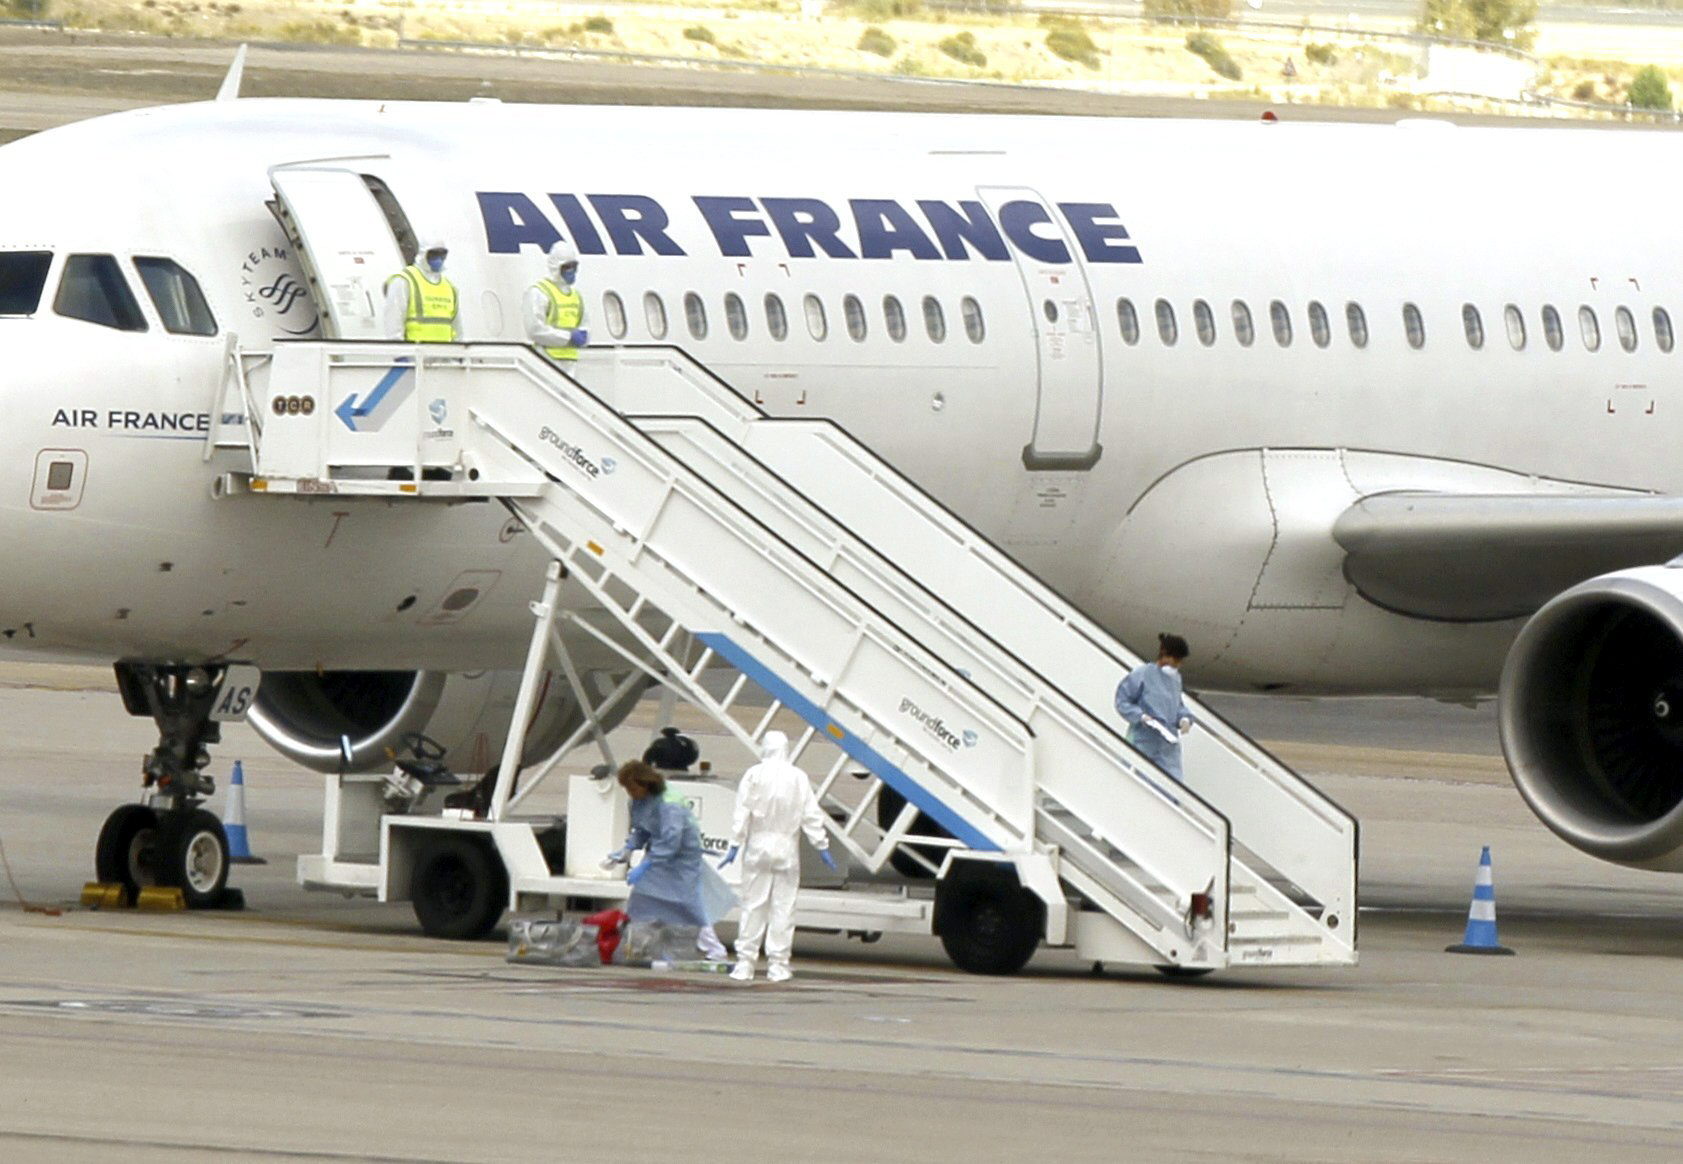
x=889 y=804
x=989 y=924
x=1185 y=971
x=126 y=853
x=458 y=888
x=192 y=855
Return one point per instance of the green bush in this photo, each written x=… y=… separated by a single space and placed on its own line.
x=887 y=9
x=1584 y=91
x=910 y=66
x=962 y=48
x=1204 y=45
x=24 y=9
x=1071 y=42
x=599 y=24
x=1187 y=11
x=1320 y=54
x=700 y=33
x=1505 y=22
x=1648 y=90
x=875 y=40
x=321 y=31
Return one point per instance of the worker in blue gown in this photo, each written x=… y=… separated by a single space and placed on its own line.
x=1150 y=700
x=671 y=884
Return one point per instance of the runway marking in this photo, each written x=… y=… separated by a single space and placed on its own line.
x=166 y=1008
x=240 y=1151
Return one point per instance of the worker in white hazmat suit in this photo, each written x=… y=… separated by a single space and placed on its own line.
x=774 y=805
x=421 y=303
x=554 y=309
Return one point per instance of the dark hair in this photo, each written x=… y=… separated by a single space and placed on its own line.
x=1173 y=646
x=672 y=751
x=638 y=775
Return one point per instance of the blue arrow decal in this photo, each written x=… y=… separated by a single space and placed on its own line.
x=350 y=411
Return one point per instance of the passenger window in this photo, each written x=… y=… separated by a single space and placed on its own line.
x=853 y=312
x=777 y=319
x=972 y=313
x=1664 y=337
x=1203 y=319
x=1128 y=321
x=1167 y=329
x=1414 y=326
x=654 y=314
x=736 y=316
x=23 y=276
x=1625 y=323
x=613 y=310
x=1515 y=320
x=93 y=290
x=1356 y=320
x=1473 y=324
x=1553 y=332
x=894 y=318
x=1280 y=317
x=1590 y=326
x=817 y=323
x=176 y=295
x=934 y=319
x=1244 y=327
x=695 y=315
x=1320 y=327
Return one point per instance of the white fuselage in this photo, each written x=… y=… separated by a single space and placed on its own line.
x=1164 y=486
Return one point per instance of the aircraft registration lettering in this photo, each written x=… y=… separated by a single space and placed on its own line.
x=805 y=228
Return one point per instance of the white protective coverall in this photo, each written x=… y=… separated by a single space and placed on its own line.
x=395 y=310
x=774 y=805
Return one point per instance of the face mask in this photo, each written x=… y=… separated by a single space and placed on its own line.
x=568 y=274
x=435 y=263
x=1169 y=667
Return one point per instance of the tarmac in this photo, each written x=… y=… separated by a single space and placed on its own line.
x=316 y=1027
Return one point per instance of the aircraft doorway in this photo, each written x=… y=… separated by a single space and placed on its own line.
x=350 y=235
x=1069 y=373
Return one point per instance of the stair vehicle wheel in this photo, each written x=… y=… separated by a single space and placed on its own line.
x=126 y=853
x=192 y=855
x=889 y=804
x=1184 y=971
x=988 y=923
x=458 y=888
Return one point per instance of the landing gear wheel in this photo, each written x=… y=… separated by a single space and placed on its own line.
x=1184 y=971
x=989 y=924
x=458 y=888
x=192 y=855
x=126 y=851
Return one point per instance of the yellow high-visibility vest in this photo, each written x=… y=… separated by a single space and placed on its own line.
x=566 y=312
x=431 y=317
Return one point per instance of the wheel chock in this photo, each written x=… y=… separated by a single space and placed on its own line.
x=161 y=899
x=105 y=895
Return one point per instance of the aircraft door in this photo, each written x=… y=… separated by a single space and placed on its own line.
x=347 y=243
x=1065 y=322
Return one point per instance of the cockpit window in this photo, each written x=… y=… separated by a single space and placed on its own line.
x=23 y=276
x=176 y=295
x=93 y=289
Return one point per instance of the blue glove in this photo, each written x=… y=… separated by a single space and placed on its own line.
x=581 y=337
x=730 y=856
x=824 y=856
x=636 y=874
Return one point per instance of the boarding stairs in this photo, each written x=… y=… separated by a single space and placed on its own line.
x=706 y=538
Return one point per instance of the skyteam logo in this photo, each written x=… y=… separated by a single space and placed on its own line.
x=936 y=727
x=377 y=405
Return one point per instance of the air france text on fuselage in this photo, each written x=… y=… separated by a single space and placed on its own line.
x=803 y=228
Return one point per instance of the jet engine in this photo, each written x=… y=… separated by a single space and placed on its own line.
x=1592 y=716
x=303 y=714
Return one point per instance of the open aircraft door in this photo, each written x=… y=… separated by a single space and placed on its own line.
x=350 y=235
x=1065 y=321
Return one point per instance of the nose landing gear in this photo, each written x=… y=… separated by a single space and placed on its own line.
x=171 y=840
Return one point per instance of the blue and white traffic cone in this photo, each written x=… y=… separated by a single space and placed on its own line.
x=1481 y=918
x=233 y=821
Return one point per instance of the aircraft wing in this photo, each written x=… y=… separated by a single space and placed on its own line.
x=1483 y=557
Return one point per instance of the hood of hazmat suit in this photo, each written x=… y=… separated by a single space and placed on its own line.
x=563 y=262
x=774 y=805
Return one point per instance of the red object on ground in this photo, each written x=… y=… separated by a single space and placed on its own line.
x=608 y=923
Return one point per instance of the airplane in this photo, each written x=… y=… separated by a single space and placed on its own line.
x=1355 y=408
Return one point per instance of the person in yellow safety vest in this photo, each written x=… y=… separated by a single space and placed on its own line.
x=554 y=309
x=421 y=304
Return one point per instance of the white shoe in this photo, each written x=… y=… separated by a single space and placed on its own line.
x=743 y=972
x=779 y=973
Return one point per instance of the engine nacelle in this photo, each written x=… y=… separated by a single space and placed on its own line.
x=302 y=714
x=1592 y=716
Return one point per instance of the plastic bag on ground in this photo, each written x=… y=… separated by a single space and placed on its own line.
x=552 y=943
x=647 y=942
